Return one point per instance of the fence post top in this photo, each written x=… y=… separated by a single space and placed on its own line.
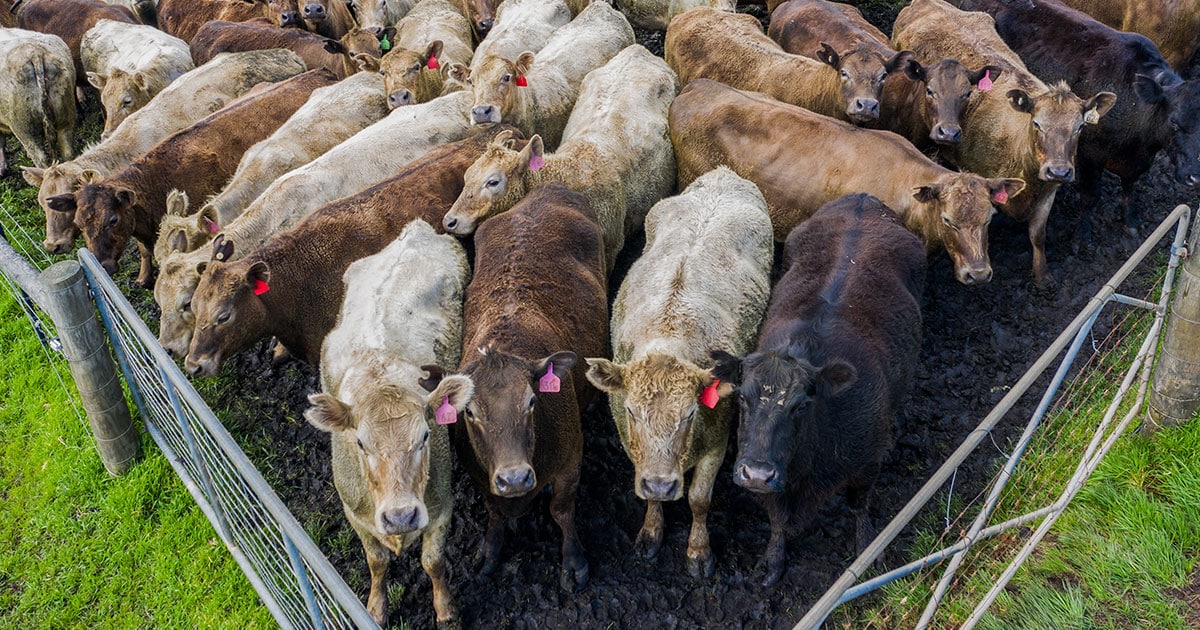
x=62 y=274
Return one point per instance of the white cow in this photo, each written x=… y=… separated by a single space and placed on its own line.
x=129 y=64
x=37 y=98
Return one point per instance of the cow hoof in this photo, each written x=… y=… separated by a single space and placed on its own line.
x=449 y=624
x=1045 y=285
x=772 y=576
x=146 y=283
x=647 y=545
x=574 y=578
x=701 y=567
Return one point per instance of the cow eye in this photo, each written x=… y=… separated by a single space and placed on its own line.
x=929 y=92
x=467 y=412
x=845 y=75
x=360 y=445
x=1037 y=126
x=416 y=68
x=223 y=317
x=425 y=440
x=882 y=76
x=114 y=221
x=1174 y=125
x=532 y=400
x=506 y=78
x=127 y=101
x=187 y=306
x=493 y=183
x=950 y=224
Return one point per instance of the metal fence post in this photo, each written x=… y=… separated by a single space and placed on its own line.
x=71 y=308
x=1176 y=395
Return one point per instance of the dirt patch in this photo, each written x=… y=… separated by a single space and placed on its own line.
x=1189 y=594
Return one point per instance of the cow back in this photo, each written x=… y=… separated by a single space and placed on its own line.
x=70 y=20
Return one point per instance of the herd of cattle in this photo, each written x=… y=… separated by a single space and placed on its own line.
x=311 y=170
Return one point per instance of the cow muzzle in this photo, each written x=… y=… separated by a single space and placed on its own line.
x=484 y=26
x=314 y=12
x=458 y=226
x=1062 y=173
x=400 y=98
x=946 y=134
x=483 y=114
x=57 y=246
x=863 y=110
x=514 y=481
x=660 y=487
x=109 y=265
x=395 y=521
x=202 y=366
x=758 y=477
x=289 y=19
x=974 y=276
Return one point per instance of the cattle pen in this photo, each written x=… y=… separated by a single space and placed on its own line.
x=301 y=588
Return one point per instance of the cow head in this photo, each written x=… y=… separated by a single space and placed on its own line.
x=957 y=210
x=948 y=86
x=393 y=430
x=315 y=10
x=286 y=13
x=407 y=78
x=1056 y=118
x=121 y=94
x=181 y=232
x=228 y=307
x=1178 y=104
x=495 y=86
x=481 y=13
x=659 y=397
x=57 y=182
x=862 y=72
x=104 y=213
x=375 y=15
x=783 y=394
x=173 y=292
x=501 y=417
x=494 y=183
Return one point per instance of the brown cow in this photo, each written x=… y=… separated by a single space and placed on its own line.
x=921 y=103
x=303 y=266
x=317 y=51
x=197 y=160
x=732 y=48
x=713 y=124
x=1173 y=25
x=331 y=18
x=182 y=18
x=70 y=20
x=482 y=14
x=523 y=329
x=1020 y=127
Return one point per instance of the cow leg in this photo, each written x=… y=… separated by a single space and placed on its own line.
x=1128 y=212
x=145 y=277
x=574 y=574
x=858 y=498
x=3 y=159
x=776 y=554
x=700 y=560
x=378 y=558
x=1089 y=198
x=493 y=539
x=433 y=560
x=1037 y=237
x=649 y=539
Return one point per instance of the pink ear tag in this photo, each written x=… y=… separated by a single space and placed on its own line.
x=536 y=162
x=1000 y=196
x=985 y=84
x=521 y=82
x=260 y=287
x=212 y=226
x=433 y=63
x=709 y=397
x=446 y=414
x=549 y=383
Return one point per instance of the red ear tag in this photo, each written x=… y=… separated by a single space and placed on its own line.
x=446 y=414
x=260 y=287
x=549 y=383
x=212 y=226
x=521 y=82
x=709 y=397
x=433 y=64
x=1000 y=196
x=985 y=84
x=536 y=162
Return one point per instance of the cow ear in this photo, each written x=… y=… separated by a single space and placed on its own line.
x=125 y=196
x=828 y=55
x=177 y=203
x=328 y=413
x=457 y=388
x=33 y=175
x=991 y=72
x=222 y=250
x=1020 y=101
x=1148 y=90
x=435 y=376
x=1097 y=106
x=433 y=50
x=139 y=81
x=207 y=220
x=177 y=241
x=335 y=47
x=899 y=60
x=460 y=73
x=607 y=376
x=390 y=33
x=89 y=176
x=97 y=80
x=523 y=63
x=62 y=203
x=563 y=362
x=200 y=267
x=926 y=194
x=1010 y=186
x=728 y=368
x=916 y=71
x=708 y=377
x=837 y=375
x=258 y=272
x=535 y=149
x=365 y=62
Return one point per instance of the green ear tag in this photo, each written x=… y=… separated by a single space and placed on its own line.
x=384 y=44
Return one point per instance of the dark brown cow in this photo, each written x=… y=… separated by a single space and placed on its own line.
x=70 y=19
x=286 y=13
x=317 y=51
x=1155 y=107
x=331 y=18
x=732 y=48
x=481 y=13
x=713 y=124
x=832 y=367
x=1173 y=25
x=197 y=160
x=537 y=302
x=921 y=103
x=303 y=267
x=182 y=18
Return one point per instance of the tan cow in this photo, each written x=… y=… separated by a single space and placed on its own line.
x=37 y=95
x=701 y=285
x=656 y=15
x=1021 y=127
x=759 y=138
x=426 y=42
x=337 y=55
x=732 y=48
x=331 y=115
x=616 y=153
x=536 y=94
x=521 y=25
x=390 y=447
x=365 y=158
x=375 y=15
x=129 y=64
x=193 y=96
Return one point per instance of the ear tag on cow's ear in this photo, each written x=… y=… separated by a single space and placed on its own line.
x=1091 y=117
x=384 y=44
x=985 y=84
x=212 y=226
x=521 y=81
x=549 y=383
x=433 y=63
x=260 y=287
x=709 y=396
x=446 y=414
x=536 y=162
x=1000 y=196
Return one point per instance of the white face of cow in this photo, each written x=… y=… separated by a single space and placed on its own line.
x=493 y=184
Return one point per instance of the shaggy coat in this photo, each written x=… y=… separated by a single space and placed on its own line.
x=317 y=51
x=183 y=18
x=616 y=152
x=701 y=284
x=713 y=124
x=195 y=95
x=70 y=20
x=391 y=460
x=129 y=64
x=37 y=96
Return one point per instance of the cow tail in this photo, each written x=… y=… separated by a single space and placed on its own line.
x=49 y=129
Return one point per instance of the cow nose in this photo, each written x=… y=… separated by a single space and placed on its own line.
x=314 y=11
x=193 y=368
x=975 y=276
x=866 y=107
x=660 y=488
x=400 y=520
x=289 y=18
x=53 y=247
x=170 y=352
x=514 y=481
x=399 y=98
x=450 y=223
x=482 y=114
x=110 y=266
x=485 y=26
x=947 y=134
x=1060 y=173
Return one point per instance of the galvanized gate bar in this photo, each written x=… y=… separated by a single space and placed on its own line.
x=820 y=610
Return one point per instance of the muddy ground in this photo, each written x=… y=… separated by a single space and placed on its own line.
x=978 y=341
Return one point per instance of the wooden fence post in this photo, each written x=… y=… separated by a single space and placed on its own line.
x=70 y=306
x=1175 y=398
